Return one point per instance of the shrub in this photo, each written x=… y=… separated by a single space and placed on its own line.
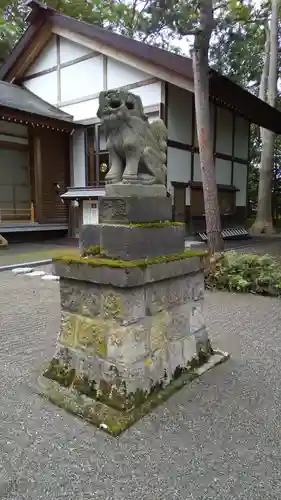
x=239 y=272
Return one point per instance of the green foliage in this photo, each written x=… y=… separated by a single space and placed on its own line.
x=239 y=272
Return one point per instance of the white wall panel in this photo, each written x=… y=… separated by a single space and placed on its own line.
x=179 y=168
x=212 y=112
x=241 y=138
x=223 y=171
x=149 y=94
x=82 y=110
x=78 y=158
x=240 y=182
x=222 y=168
x=82 y=79
x=196 y=168
x=70 y=50
x=179 y=114
x=13 y=129
x=44 y=86
x=47 y=59
x=224 y=131
x=120 y=74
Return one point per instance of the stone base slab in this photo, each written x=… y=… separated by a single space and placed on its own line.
x=127 y=276
x=134 y=242
x=121 y=190
x=135 y=210
x=113 y=421
x=128 y=242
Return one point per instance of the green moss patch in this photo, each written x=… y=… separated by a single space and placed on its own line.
x=92 y=250
x=108 y=418
x=60 y=372
x=157 y=224
x=95 y=261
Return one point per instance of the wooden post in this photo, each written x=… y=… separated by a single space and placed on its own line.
x=38 y=179
x=32 y=213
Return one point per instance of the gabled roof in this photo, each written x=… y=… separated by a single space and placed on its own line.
x=21 y=99
x=222 y=90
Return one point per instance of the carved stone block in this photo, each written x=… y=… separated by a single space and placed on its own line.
x=135 y=242
x=135 y=210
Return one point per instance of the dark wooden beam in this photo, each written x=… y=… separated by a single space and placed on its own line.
x=23 y=118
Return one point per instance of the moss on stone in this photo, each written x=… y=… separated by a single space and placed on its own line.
x=61 y=372
x=85 y=386
x=91 y=333
x=92 y=250
x=157 y=224
x=107 y=416
x=113 y=306
x=129 y=264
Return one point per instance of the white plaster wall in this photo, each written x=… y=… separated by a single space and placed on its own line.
x=178 y=169
x=241 y=138
x=224 y=131
x=44 y=86
x=120 y=74
x=240 y=182
x=223 y=171
x=212 y=112
x=70 y=50
x=82 y=79
x=47 y=58
x=222 y=168
x=179 y=114
x=82 y=110
x=78 y=166
x=149 y=94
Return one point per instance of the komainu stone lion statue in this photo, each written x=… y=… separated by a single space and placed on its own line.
x=137 y=148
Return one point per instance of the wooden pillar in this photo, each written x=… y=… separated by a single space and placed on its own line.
x=38 y=191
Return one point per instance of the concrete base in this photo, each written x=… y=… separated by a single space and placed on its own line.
x=111 y=420
x=135 y=190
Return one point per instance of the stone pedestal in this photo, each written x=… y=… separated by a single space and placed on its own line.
x=132 y=325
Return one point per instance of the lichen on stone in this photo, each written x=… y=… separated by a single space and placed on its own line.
x=154 y=225
x=61 y=372
x=113 y=306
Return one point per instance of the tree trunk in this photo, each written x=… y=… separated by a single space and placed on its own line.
x=263 y=222
x=265 y=70
x=203 y=123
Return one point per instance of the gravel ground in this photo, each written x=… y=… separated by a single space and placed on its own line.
x=219 y=438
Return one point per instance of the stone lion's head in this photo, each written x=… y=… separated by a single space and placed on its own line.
x=117 y=105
